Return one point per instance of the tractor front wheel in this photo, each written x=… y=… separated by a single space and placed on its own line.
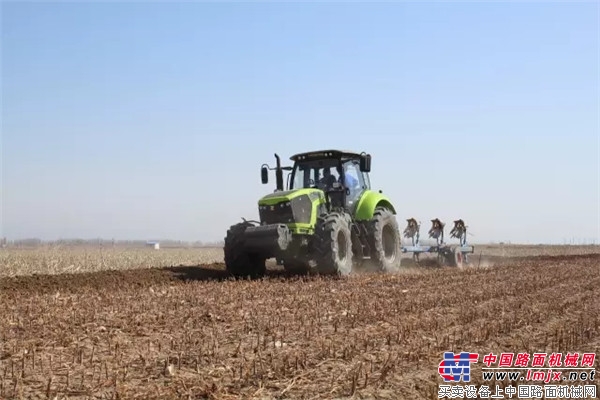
x=333 y=244
x=385 y=240
x=238 y=262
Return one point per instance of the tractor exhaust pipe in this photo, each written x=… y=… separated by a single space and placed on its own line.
x=278 y=174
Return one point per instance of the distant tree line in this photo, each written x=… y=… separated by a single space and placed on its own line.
x=36 y=242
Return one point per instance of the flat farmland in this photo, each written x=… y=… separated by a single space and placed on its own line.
x=149 y=324
x=51 y=260
x=75 y=259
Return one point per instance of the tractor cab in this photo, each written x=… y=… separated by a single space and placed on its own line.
x=342 y=175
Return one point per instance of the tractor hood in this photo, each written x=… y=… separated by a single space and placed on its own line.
x=288 y=195
x=298 y=209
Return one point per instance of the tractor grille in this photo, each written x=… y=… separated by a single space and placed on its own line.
x=297 y=210
x=277 y=214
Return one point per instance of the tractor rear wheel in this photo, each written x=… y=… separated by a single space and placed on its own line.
x=333 y=244
x=238 y=262
x=385 y=240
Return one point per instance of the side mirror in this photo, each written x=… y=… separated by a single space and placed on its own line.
x=264 y=175
x=365 y=163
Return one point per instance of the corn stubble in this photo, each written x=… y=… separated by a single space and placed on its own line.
x=53 y=260
x=169 y=333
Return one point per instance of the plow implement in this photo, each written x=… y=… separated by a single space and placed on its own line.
x=455 y=255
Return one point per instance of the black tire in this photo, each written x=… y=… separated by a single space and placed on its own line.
x=238 y=262
x=333 y=244
x=384 y=236
x=459 y=258
x=453 y=257
x=446 y=258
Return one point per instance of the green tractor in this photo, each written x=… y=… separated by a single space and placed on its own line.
x=328 y=220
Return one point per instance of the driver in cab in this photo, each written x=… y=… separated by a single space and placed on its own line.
x=327 y=181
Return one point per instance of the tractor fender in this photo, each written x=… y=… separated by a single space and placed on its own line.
x=369 y=201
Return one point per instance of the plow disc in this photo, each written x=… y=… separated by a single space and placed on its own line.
x=455 y=255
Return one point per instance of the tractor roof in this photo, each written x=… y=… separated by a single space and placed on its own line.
x=320 y=154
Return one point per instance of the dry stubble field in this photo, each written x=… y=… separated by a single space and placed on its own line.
x=140 y=323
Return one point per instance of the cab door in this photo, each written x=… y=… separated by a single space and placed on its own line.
x=355 y=183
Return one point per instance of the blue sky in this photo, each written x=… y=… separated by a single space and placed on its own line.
x=151 y=120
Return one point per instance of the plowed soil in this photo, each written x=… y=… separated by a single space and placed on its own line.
x=189 y=332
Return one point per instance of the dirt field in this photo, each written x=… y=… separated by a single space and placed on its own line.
x=76 y=259
x=188 y=332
